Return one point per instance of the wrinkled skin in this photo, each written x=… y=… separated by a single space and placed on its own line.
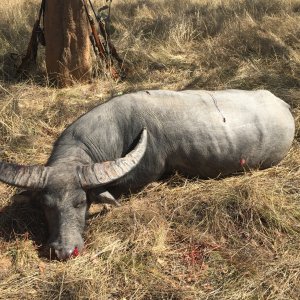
x=197 y=133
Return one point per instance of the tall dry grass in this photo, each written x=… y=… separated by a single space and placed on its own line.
x=235 y=238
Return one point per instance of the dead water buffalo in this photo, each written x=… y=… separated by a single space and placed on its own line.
x=135 y=139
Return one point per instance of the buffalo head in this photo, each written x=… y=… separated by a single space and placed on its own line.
x=63 y=191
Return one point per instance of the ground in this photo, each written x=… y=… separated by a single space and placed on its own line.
x=232 y=238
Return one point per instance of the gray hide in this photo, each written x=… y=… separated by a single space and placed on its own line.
x=197 y=133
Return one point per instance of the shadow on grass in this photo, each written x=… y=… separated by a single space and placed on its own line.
x=25 y=220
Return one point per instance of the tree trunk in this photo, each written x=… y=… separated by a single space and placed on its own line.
x=67 y=42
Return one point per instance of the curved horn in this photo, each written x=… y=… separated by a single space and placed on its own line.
x=33 y=177
x=103 y=173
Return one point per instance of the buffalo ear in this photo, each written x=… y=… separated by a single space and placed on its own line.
x=26 y=196
x=104 y=198
x=22 y=196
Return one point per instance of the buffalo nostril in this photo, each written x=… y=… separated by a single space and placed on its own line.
x=63 y=254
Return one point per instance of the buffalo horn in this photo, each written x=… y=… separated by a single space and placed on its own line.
x=99 y=174
x=31 y=177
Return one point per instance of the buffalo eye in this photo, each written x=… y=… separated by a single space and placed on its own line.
x=80 y=204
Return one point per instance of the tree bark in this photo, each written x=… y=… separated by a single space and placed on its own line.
x=66 y=28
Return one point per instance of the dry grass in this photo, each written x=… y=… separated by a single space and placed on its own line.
x=236 y=238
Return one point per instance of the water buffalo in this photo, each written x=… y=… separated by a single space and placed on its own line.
x=137 y=138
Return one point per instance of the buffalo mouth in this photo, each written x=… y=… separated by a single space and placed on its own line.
x=65 y=254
